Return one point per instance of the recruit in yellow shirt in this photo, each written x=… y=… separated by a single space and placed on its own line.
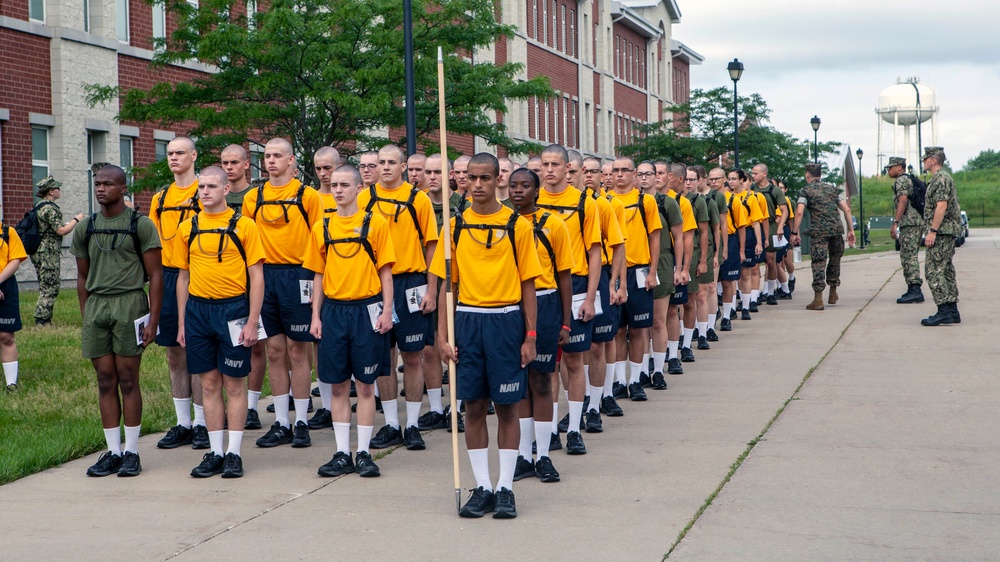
x=557 y=234
x=11 y=249
x=612 y=215
x=737 y=214
x=177 y=208
x=751 y=203
x=637 y=230
x=348 y=271
x=687 y=211
x=762 y=203
x=281 y=226
x=409 y=253
x=329 y=203
x=212 y=277
x=489 y=277
x=581 y=240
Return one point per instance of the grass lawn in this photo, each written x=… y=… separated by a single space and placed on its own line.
x=879 y=241
x=53 y=417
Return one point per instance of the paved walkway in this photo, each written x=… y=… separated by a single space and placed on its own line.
x=887 y=449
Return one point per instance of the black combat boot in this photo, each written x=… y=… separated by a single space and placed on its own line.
x=942 y=316
x=913 y=294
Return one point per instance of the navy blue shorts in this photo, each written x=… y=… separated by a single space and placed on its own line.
x=547 y=325
x=283 y=311
x=783 y=251
x=414 y=329
x=749 y=249
x=680 y=295
x=730 y=268
x=206 y=336
x=606 y=324
x=489 y=354
x=350 y=346
x=581 y=332
x=10 y=307
x=638 y=309
x=168 y=312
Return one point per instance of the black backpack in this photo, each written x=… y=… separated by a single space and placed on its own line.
x=297 y=201
x=195 y=206
x=30 y=230
x=408 y=205
x=229 y=231
x=917 y=195
x=539 y=228
x=361 y=238
x=509 y=228
x=579 y=210
x=132 y=230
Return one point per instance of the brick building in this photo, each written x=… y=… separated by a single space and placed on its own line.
x=614 y=64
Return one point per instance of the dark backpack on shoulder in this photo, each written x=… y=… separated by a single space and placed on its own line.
x=30 y=230
x=132 y=231
x=918 y=194
x=508 y=228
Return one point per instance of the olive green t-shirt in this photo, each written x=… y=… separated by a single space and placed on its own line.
x=115 y=267
x=700 y=209
x=235 y=200
x=713 y=221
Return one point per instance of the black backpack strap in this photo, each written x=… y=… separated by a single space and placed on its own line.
x=162 y=201
x=413 y=213
x=5 y=234
x=509 y=228
x=133 y=228
x=299 y=201
x=362 y=238
x=512 y=230
x=194 y=234
x=231 y=232
x=257 y=204
x=544 y=239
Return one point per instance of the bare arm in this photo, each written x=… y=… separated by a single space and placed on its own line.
x=82 y=271
x=183 y=281
x=154 y=269
x=529 y=306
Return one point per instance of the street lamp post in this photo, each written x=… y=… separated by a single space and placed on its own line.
x=815 y=125
x=411 y=109
x=861 y=199
x=735 y=71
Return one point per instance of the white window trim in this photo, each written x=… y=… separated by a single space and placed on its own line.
x=36 y=19
x=48 y=142
x=128 y=17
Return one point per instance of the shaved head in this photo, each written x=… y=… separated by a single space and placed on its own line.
x=354 y=173
x=328 y=152
x=280 y=144
x=217 y=173
x=394 y=150
x=558 y=150
x=236 y=151
x=117 y=174
x=187 y=141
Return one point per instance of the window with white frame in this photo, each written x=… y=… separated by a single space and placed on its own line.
x=121 y=20
x=160 y=149
x=125 y=151
x=39 y=154
x=86 y=16
x=36 y=10
x=256 y=162
x=251 y=13
x=159 y=22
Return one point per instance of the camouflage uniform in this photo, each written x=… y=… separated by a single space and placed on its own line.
x=47 y=261
x=911 y=228
x=826 y=232
x=938 y=267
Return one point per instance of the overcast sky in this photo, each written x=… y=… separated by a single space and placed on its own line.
x=832 y=59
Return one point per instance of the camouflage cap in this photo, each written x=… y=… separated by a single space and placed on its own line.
x=932 y=151
x=46 y=185
x=895 y=161
x=815 y=170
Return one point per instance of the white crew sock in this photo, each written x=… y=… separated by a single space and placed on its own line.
x=633 y=372
x=645 y=361
x=253 y=396
x=412 y=412
x=609 y=379
x=575 y=413
x=527 y=435
x=281 y=410
x=672 y=349
x=391 y=412
x=132 y=438
x=199 y=415
x=754 y=295
x=746 y=301
x=508 y=462
x=434 y=398
x=481 y=467
x=791 y=276
x=342 y=436
x=113 y=437
x=364 y=438
x=688 y=336
x=235 y=442
x=659 y=358
x=712 y=318
x=377 y=395
x=702 y=328
x=301 y=410
x=542 y=445
x=555 y=418
x=784 y=286
x=10 y=372
x=620 y=367
x=182 y=407
x=595 y=397
x=215 y=440
x=325 y=395
x=727 y=309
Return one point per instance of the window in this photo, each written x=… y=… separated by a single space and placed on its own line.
x=121 y=20
x=571 y=48
x=251 y=14
x=86 y=16
x=39 y=154
x=545 y=22
x=555 y=24
x=36 y=10
x=125 y=157
x=256 y=162
x=160 y=149
x=159 y=23
x=562 y=30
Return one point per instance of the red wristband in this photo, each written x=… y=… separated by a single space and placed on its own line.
x=532 y=334
x=567 y=328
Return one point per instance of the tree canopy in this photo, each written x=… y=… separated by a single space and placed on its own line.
x=986 y=160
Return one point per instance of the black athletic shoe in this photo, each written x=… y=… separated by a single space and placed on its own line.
x=277 y=435
x=644 y=380
x=703 y=343
x=504 y=507
x=574 y=444
x=106 y=465
x=726 y=325
x=232 y=466
x=555 y=443
x=412 y=439
x=321 y=419
x=739 y=305
x=545 y=471
x=523 y=469
x=772 y=300
x=732 y=314
x=782 y=295
x=754 y=307
x=594 y=423
x=695 y=334
x=12 y=388
x=610 y=407
x=674 y=367
x=386 y=437
x=130 y=465
x=710 y=335
x=563 y=425
x=745 y=315
x=461 y=420
x=687 y=356
x=636 y=393
x=339 y=465
x=315 y=392
x=480 y=503
x=211 y=464
x=199 y=437
x=300 y=435
x=791 y=285
x=619 y=390
x=586 y=406
x=253 y=420
x=534 y=447
x=659 y=383
x=432 y=420
x=365 y=466
x=177 y=436
x=354 y=390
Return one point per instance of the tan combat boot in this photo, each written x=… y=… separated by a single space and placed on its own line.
x=833 y=295
x=817 y=303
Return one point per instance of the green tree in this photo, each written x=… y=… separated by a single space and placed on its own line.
x=326 y=73
x=985 y=160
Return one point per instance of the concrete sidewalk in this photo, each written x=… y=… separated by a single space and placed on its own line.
x=884 y=453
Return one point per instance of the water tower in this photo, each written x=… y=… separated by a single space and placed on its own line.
x=903 y=106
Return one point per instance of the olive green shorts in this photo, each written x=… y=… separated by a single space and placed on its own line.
x=109 y=324
x=709 y=275
x=665 y=273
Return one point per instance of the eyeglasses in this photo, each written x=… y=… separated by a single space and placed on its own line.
x=366 y=166
x=591 y=171
x=646 y=174
x=620 y=170
x=690 y=179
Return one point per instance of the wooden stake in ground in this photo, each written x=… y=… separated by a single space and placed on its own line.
x=449 y=295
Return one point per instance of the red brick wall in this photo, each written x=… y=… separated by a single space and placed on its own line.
x=25 y=87
x=562 y=71
x=630 y=60
x=681 y=85
x=17 y=9
x=630 y=101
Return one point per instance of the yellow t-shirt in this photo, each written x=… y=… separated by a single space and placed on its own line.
x=329 y=203
x=637 y=230
x=179 y=206
x=409 y=252
x=216 y=275
x=557 y=234
x=737 y=215
x=348 y=270
x=755 y=214
x=281 y=226
x=12 y=249
x=566 y=205
x=489 y=276
x=762 y=203
x=612 y=215
x=791 y=210
x=687 y=211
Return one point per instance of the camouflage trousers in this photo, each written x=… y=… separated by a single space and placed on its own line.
x=826 y=253
x=48 y=284
x=909 y=250
x=940 y=271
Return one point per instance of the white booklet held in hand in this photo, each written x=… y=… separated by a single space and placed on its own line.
x=578 y=302
x=375 y=310
x=414 y=296
x=305 y=291
x=140 y=325
x=236 y=327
